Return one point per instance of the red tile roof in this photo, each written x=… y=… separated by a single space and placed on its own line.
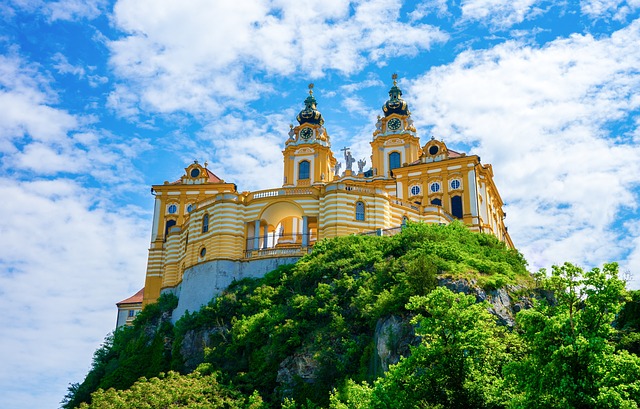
x=212 y=178
x=134 y=299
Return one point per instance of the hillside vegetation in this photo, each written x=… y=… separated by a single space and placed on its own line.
x=322 y=333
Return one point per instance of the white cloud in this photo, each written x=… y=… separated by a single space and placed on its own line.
x=62 y=10
x=66 y=259
x=73 y=10
x=36 y=136
x=499 y=13
x=616 y=9
x=67 y=253
x=544 y=117
x=201 y=56
x=252 y=158
x=427 y=7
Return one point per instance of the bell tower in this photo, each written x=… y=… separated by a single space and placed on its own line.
x=308 y=159
x=394 y=141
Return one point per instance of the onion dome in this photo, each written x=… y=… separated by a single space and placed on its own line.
x=310 y=115
x=395 y=104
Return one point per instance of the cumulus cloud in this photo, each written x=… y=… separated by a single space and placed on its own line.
x=554 y=123
x=499 y=13
x=605 y=9
x=203 y=57
x=65 y=256
x=251 y=158
x=36 y=136
x=67 y=252
x=61 y=10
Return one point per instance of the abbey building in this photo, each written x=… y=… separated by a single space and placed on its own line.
x=205 y=233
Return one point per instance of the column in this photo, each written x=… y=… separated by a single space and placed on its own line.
x=265 y=237
x=256 y=235
x=305 y=231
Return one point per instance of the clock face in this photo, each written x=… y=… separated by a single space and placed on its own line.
x=395 y=124
x=306 y=133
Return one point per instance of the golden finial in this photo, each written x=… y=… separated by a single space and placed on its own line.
x=394 y=77
x=290 y=126
x=311 y=88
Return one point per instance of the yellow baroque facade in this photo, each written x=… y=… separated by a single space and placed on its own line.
x=206 y=231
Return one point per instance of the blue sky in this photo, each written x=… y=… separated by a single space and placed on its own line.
x=101 y=99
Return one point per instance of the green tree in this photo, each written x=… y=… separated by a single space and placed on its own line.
x=571 y=360
x=457 y=365
x=173 y=391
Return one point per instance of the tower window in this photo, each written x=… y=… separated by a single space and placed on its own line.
x=456 y=207
x=435 y=187
x=303 y=169
x=394 y=160
x=203 y=252
x=205 y=223
x=455 y=184
x=436 y=202
x=168 y=226
x=189 y=208
x=172 y=209
x=360 y=211
x=415 y=190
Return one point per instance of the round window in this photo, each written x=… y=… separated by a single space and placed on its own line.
x=195 y=172
x=415 y=190
x=455 y=184
x=435 y=187
x=172 y=209
x=189 y=208
x=433 y=150
x=203 y=252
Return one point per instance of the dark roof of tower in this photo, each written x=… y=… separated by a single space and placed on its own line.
x=395 y=104
x=310 y=114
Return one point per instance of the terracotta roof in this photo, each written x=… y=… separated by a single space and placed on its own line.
x=212 y=178
x=134 y=299
x=454 y=154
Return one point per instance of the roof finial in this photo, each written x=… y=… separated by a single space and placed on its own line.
x=311 y=89
x=394 y=77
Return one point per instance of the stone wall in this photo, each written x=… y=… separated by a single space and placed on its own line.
x=203 y=282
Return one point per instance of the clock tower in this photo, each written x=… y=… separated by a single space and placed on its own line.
x=395 y=142
x=308 y=159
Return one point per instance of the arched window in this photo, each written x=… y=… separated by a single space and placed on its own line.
x=394 y=160
x=436 y=202
x=205 y=223
x=360 y=211
x=168 y=226
x=456 y=206
x=303 y=170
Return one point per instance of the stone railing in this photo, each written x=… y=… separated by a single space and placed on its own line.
x=284 y=191
x=277 y=252
x=411 y=206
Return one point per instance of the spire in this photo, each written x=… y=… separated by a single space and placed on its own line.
x=395 y=104
x=310 y=115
